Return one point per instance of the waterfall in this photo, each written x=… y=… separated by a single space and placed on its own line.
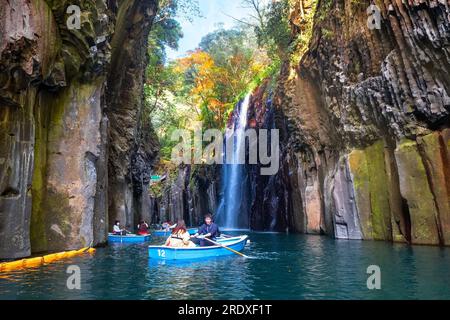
x=232 y=210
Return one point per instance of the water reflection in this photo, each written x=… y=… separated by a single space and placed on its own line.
x=200 y=279
x=281 y=267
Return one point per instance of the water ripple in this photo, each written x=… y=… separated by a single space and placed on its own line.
x=280 y=267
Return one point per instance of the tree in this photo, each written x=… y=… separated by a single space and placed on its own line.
x=182 y=9
x=166 y=32
x=270 y=23
x=219 y=72
x=276 y=33
x=162 y=106
x=200 y=75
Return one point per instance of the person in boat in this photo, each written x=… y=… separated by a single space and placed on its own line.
x=142 y=228
x=167 y=226
x=117 y=230
x=180 y=237
x=208 y=230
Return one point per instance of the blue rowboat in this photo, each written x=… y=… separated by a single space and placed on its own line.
x=129 y=238
x=169 y=253
x=162 y=233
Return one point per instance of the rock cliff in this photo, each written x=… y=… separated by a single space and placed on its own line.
x=365 y=120
x=188 y=192
x=72 y=150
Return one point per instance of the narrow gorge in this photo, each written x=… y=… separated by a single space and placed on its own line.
x=364 y=123
x=363 y=116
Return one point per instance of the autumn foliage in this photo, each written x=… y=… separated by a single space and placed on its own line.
x=216 y=85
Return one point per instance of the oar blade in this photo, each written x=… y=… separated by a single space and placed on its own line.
x=225 y=247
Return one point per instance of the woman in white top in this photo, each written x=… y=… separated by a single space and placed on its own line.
x=180 y=237
x=117 y=230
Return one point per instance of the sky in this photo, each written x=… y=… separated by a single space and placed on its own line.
x=213 y=12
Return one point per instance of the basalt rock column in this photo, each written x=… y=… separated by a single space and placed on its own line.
x=368 y=112
x=54 y=140
x=41 y=63
x=124 y=102
x=69 y=132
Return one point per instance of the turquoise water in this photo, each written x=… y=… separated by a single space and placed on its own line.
x=281 y=267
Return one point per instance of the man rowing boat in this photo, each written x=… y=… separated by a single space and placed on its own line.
x=208 y=230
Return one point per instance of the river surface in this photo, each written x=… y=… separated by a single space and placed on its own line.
x=280 y=267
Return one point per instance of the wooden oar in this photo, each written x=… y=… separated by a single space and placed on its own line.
x=228 y=236
x=225 y=247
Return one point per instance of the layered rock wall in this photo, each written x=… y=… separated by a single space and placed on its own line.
x=365 y=124
x=189 y=193
x=58 y=119
x=133 y=149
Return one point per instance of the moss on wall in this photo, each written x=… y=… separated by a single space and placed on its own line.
x=48 y=117
x=371 y=185
x=415 y=189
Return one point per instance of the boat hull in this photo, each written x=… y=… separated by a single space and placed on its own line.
x=128 y=238
x=161 y=233
x=168 y=253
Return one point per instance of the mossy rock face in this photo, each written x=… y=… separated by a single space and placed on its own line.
x=68 y=137
x=434 y=152
x=16 y=168
x=52 y=227
x=371 y=186
x=379 y=192
x=345 y=218
x=49 y=127
x=37 y=230
x=360 y=174
x=52 y=98
x=399 y=217
x=415 y=189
